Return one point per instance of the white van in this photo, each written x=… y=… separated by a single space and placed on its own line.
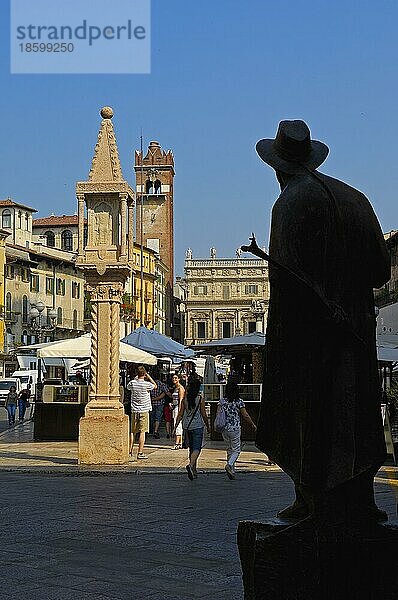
x=5 y=385
x=26 y=376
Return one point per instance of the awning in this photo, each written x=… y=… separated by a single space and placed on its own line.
x=251 y=341
x=156 y=343
x=81 y=348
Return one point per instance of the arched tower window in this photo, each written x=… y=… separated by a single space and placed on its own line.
x=67 y=240
x=50 y=239
x=6 y=219
x=149 y=187
x=158 y=186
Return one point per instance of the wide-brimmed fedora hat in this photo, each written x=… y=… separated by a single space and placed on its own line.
x=292 y=149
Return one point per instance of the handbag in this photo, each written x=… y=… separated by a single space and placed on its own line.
x=185 y=438
x=221 y=419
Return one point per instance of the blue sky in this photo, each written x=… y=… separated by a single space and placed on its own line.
x=224 y=73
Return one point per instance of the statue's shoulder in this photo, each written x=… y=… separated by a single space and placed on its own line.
x=340 y=187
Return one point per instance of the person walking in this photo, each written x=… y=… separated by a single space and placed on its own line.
x=177 y=396
x=140 y=387
x=234 y=408
x=23 y=402
x=11 y=405
x=192 y=413
x=158 y=395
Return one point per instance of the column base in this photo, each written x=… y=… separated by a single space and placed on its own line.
x=103 y=440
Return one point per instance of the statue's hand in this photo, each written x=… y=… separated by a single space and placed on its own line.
x=253 y=245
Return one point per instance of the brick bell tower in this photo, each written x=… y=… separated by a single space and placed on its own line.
x=154 y=182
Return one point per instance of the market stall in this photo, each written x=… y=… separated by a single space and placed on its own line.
x=57 y=416
x=247 y=355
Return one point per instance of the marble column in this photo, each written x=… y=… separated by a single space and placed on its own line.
x=104 y=430
x=123 y=224
x=130 y=207
x=80 y=200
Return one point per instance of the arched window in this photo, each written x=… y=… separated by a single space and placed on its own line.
x=74 y=319
x=24 y=337
x=19 y=220
x=67 y=240
x=149 y=187
x=59 y=316
x=25 y=309
x=27 y=221
x=158 y=187
x=8 y=305
x=6 y=219
x=50 y=239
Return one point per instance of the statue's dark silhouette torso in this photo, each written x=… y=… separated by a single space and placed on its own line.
x=321 y=418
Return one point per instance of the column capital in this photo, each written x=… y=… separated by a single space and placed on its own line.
x=105 y=292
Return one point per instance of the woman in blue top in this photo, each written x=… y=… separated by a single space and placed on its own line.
x=193 y=415
x=234 y=408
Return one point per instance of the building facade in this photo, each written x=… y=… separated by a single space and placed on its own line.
x=155 y=188
x=3 y=236
x=224 y=297
x=34 y=272
x=17 y=220
x=57 y=231
x=386 y=298
x=136 y=309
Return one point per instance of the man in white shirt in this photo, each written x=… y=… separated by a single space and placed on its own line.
x=140 y=388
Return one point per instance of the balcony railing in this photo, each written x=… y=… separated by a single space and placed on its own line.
x=71 y=324
x=10 y=316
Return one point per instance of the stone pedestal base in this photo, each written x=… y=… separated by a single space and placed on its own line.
x=304 y=562
x=104 y=439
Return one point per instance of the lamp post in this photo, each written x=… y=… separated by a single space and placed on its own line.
x=40 y=328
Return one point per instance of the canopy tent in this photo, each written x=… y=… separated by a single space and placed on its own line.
x=156 y=343
x=250 y=341
x=81 y=348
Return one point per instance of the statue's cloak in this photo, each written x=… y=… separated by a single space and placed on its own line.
x=320 y=416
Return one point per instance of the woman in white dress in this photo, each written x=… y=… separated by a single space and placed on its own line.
x=177 y=396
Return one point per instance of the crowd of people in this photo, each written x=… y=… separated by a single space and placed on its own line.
x=177 y=399
x=179 y=402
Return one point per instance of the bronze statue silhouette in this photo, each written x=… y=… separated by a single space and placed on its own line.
x=320 y=418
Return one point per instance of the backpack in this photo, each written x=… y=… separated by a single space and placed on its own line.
x=221 y=419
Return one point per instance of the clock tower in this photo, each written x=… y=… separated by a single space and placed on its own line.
x=154 y=185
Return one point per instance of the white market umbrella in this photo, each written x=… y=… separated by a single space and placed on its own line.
x=80 y=347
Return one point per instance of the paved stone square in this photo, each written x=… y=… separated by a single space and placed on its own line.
x=141 y=531
x=130 y=536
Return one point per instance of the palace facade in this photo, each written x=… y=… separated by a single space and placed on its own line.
x=224 y=297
